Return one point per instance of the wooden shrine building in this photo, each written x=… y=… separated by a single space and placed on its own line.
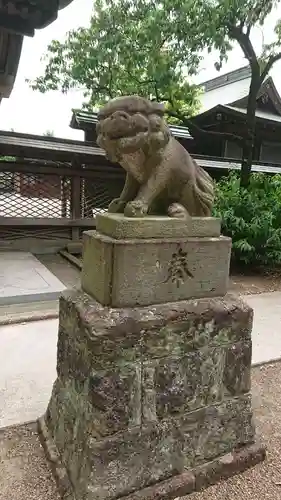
x=19 y=19
x=224 y=104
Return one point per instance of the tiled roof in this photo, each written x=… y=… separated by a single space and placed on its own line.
x=224 y=95
x=227 y=78
x=265 y=115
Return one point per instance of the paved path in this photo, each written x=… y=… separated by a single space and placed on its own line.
x=27 y=369
x=28 y=358
x=266 y=334
x=23 y=278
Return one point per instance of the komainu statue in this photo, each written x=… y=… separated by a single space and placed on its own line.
x=162 y=178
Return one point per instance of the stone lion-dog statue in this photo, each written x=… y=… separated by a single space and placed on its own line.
x=162 y=178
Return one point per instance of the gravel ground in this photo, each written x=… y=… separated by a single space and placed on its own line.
x=263 y=481
x=256 y=283
x=24 y=473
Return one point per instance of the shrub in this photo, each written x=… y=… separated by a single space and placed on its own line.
x=252 y=218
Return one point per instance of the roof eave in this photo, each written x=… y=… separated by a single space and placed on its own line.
x=220 y=108
x=73 y=123
x=216 y=109
x=268 y=87
x=10 y=52
x=64 y=3
x=26 y=25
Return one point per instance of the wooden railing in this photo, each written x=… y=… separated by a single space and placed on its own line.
x=55 y=196
x=52 y=200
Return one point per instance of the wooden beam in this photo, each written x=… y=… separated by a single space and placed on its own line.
x=28 y=221
x=71 y=258
x=93 y=171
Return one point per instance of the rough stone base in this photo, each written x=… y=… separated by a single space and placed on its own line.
x=145 y=394
x=196 y=479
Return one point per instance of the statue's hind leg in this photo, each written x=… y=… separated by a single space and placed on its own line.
x=196 y=201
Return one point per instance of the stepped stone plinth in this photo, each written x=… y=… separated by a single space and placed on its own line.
x=153 y=392
x=151 y=398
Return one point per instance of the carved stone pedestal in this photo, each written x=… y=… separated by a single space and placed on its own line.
x=129 y=262
x=150 y=401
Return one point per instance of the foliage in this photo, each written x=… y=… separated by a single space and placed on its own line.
x=149 y=48
x=252 y=218
x=218 y=24
x=122 y=52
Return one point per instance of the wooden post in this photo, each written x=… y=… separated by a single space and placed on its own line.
x=64 y=196
x=76 y=211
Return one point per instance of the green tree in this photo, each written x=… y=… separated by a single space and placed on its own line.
x=118 y=54
x=150 y=48
x=218 y=25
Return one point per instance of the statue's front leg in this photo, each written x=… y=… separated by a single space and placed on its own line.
x=129 y=193
x=148 y=192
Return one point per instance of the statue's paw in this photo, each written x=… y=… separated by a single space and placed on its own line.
x=117 y=206
x=136 y=209
x=178 y=211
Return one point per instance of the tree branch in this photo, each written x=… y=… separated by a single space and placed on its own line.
x=246 y=45
x=271 y=61
x=157 y=95
x=139 y=82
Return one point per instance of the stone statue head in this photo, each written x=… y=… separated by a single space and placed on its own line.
x=131 y=123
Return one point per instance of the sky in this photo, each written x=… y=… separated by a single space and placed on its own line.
x=32 y=112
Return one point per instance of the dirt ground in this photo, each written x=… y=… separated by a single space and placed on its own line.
x=25 y=474
x=255 y=283
x=262 y=482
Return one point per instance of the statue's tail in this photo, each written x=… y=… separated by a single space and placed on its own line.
x=203 y=192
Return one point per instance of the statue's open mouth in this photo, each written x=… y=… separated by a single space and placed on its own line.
x=119 y=134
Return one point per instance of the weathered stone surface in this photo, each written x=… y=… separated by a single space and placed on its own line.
x=147 y=271
x=175 y=487
x=143 y=391
x=128 y=461
x=144 y=394
x=161 y=177
x=92 y=336
x=198 y=478
x=216 y=429
x=118 y=226
x=105 y=409
x=201 y=378
x=228 y=465
x=97 y=267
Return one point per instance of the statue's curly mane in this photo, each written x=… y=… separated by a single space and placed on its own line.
x=146 y=131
